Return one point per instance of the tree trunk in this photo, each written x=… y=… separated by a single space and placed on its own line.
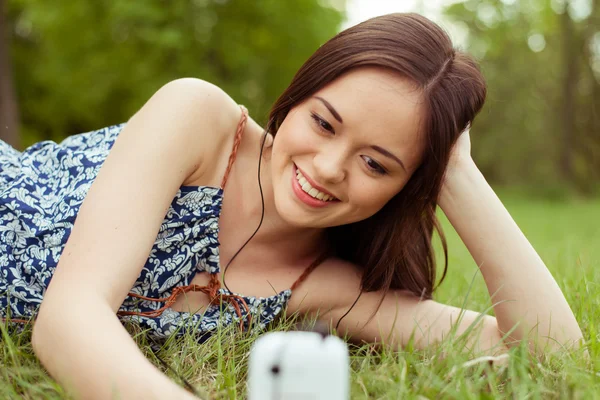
x=9 y=110
x=588 y=143
x=569 y=83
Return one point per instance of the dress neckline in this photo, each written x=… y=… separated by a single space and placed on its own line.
x=219 y=209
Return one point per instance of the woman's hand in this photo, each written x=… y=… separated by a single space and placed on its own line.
x=459 y=156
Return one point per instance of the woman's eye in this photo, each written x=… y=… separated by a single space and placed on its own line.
x=374 y=166
x=322 y=124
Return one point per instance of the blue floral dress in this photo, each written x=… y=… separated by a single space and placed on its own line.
x=41 y=190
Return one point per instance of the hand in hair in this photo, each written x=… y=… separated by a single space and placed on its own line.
x=461 y=152
x=528 y=302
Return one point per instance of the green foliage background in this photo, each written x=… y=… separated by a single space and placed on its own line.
x=80 y=65
x=540 y=127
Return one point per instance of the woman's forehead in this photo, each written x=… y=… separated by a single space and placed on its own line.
x=375 y=90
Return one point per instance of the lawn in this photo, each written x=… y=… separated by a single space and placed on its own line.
x=567 y=236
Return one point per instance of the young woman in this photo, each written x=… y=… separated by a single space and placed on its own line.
x=361 y=147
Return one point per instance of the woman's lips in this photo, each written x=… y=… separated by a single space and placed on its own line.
x=312 y=183
x=305 y=197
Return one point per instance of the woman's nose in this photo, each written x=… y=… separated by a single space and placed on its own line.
x=330 y=167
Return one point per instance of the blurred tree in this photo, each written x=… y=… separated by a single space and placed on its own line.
x=541 y=58
x=569 y=85
x=80 y=65
x=9 y=111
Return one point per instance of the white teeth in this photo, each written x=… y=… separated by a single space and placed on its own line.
x=306 y=187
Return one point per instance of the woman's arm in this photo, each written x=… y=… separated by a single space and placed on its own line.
x=524 y=293
x=77 y=335
x=85 y=348
x=331 y=290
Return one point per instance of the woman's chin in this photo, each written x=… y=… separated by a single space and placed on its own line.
x=297 y=217
x=299 y=220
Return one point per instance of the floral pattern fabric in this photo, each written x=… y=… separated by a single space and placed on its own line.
x=41 y=190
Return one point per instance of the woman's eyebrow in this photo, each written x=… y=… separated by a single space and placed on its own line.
x=389 y=155
x=335 y=114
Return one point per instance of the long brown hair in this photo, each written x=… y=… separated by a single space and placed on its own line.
x=394 y=246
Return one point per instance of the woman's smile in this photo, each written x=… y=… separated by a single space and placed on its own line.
x=308 y=191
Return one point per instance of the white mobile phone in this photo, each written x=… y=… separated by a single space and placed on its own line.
x=298 y=366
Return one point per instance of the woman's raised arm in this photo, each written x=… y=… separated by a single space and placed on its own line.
x=524 y=293
x=77 y=336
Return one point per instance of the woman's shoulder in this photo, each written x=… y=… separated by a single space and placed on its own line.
x=196 y=113
x=204 y=99
x=334 y=283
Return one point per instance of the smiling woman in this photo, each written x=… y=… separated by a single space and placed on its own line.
x=368 y=139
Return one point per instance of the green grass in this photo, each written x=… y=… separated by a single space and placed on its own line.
x=567 y=236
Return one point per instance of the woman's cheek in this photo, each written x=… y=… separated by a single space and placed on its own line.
x=365 y=197
x=295 y=135
x=303 y=130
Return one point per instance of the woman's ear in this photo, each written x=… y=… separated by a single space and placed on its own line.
x=268 y=140
x=266 y=151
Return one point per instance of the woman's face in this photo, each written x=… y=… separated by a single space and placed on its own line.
x=352 y=146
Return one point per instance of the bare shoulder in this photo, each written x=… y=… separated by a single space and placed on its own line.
x=198 y=101
x=199 y=113
x=331 y=285
x=335 y=285
x=193 y=92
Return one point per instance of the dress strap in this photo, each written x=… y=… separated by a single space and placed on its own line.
x=236 y=143
x=318 y=261
x=17 y=320
x=211 y=290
